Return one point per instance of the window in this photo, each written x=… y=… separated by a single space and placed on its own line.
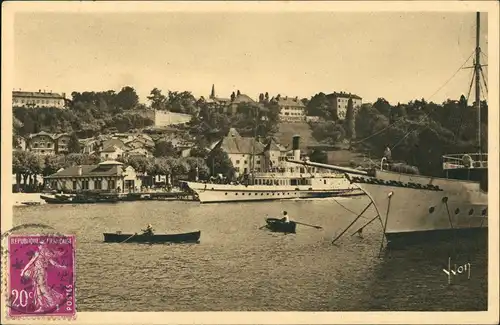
x=75 y=185
x=85 y=185
x=111 y=184
x=97 y=184
x=245 y=162
x=237 y=161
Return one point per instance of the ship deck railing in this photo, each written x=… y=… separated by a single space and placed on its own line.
x=465 y=161
x=295 y=175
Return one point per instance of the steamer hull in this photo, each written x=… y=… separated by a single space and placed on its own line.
x=412 y=215
x=216 y=193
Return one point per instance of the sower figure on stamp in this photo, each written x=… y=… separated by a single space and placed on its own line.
x=45 y=298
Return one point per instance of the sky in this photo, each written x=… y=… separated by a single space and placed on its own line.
x=397 y=56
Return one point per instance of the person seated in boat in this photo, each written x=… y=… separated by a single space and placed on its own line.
x=285 y=218
x=149 y=230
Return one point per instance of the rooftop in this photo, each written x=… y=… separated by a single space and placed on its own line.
x=53 y=136
x=343 y=95
x=38 y=94
x=102 y=169
x=233 y=142
x=288 y=101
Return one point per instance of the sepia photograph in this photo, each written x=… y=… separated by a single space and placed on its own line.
x=238 y=157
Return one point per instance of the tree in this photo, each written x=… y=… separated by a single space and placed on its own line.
x=319 y=157
x=383 y=107
x=350 y=121
x=198 y=152
x=73 y=144
x=180 y=167
x=328 y=132
x=26 y=165
x=165 y=148
x=197 y=167
x=141 y=164
x=218 y=162
x=157 y=99
x=127 y=98
x=320 y=105
x=76 y=159
x=182 y=102
x=162 y=167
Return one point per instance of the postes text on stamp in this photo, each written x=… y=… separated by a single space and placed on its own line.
x=41 y=276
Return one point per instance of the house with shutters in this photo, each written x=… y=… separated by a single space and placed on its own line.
x=240 y=151
x=45 y=143
x=291 y=109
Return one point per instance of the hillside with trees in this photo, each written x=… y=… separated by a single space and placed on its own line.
x=418 y=132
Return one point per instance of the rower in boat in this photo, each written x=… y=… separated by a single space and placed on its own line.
x=149 y=231
x=285 y=218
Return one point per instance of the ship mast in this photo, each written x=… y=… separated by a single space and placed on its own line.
x=477 y=71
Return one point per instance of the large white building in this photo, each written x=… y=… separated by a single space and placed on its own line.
x=340 y=101
x=291 y=109
x=268 y=157
x=38 y=99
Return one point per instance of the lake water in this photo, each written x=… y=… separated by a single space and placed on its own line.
x=238 y=267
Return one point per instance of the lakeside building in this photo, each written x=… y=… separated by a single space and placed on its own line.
x=108 y=175
x=270 y=157
x=340 y=100
x=45 y=143
x=38 y=99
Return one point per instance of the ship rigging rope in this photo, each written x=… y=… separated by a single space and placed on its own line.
x=484 y=80
x=482 y=91
x=347 y=209
x=425 y=114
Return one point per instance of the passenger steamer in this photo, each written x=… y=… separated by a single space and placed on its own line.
x=295 y=183
x=416 y=208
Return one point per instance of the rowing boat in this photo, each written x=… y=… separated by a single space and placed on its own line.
x=278 y=225
x=78 y=200
x=190 y=237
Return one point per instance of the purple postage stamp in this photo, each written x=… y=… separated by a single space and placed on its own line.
x=41 y=279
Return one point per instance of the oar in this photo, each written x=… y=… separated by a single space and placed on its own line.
x=305 y=224
x=127 y=238
x=265 y=224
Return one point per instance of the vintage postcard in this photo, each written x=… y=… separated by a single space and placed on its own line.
x=281 y=162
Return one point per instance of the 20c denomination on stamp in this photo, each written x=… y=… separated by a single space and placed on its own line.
x=41 y=276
